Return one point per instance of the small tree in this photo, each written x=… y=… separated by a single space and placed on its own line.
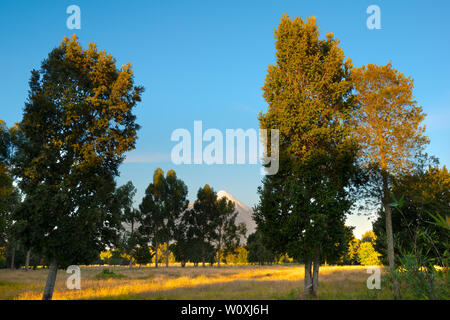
x=143 y=255
x=257 y=252
x=367 y=256
x=226 y=234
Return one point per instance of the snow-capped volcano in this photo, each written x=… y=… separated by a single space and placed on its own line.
x=244 y=212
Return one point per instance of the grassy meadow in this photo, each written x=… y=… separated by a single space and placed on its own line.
x=227 y=282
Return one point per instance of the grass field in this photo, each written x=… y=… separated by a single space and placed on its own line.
x=226 y=282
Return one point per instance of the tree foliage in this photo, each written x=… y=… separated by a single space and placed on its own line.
x=161 y=209
x=425 y=191
x=257 y=252
x=77 y=124
x=302 y=208
x=367 y=256
x=389 y=129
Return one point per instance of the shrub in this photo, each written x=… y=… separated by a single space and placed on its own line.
x=108 y=274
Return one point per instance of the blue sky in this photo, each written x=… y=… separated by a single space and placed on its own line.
x=207 y=60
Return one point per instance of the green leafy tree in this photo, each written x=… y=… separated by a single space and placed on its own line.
x=161 y=209
x=350 y=254
x=257 y=252
x=418 y=275
x=226 y=234
x=177 y=204
x=77 y=124
x=143 y=255
x=152 y=225
x=201 y=223
x=302 y=208
x=423 y=192
x=367 y=256
x=9 y=195
x=131 y=217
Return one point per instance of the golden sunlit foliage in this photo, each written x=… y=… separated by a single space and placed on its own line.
x=389 y=123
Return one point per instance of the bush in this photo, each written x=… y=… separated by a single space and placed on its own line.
x=108 y=274
x=367 y=256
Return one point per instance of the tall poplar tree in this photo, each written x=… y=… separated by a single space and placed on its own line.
x=77 y=124
x=302 y=208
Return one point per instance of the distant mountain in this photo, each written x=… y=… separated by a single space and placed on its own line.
x=244 y=212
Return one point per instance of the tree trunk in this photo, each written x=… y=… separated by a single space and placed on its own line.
x=27 y=260
x=218 y=257
x=308 y=277
x=167 y=254
x=388 y=216
x=389 y=232
x=13 y=256
x=131 y=251
x=156 y=255
x=203 y=255
x=316 y=265
x=51 y=279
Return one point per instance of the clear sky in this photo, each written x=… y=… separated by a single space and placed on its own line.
x=207 y=60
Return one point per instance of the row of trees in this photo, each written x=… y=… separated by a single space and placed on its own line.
x=201 y=233
x=64 y=206
x=346 y=134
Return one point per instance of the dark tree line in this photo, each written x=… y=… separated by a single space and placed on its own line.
x=195 y=234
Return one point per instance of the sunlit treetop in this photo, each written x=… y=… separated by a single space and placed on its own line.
x=79 y=112
x=308 y=91
x=389 y=124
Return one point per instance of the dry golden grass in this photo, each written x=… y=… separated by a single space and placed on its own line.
x=227 y=282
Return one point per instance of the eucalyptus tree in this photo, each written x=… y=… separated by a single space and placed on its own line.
x=200 y=222
x=226 y=234
x=162 y=206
